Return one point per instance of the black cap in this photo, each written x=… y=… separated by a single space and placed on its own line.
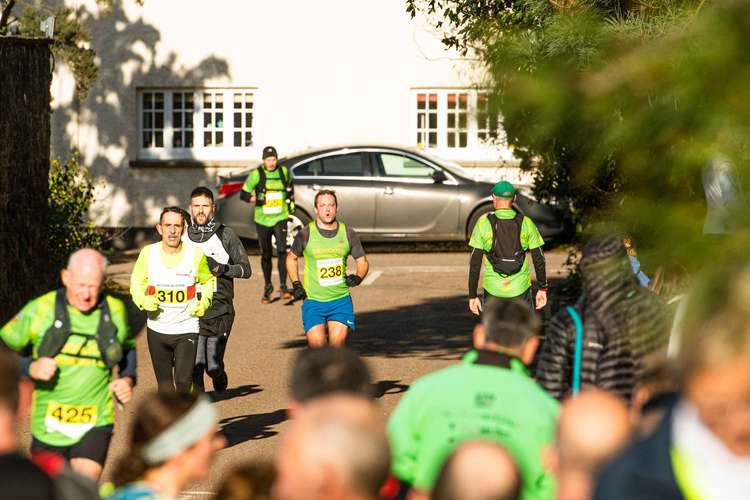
x=269 y=151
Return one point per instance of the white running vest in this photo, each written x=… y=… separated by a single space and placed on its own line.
x=175 y=289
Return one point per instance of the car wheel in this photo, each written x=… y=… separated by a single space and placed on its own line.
x=479 y=212
x=294 y=224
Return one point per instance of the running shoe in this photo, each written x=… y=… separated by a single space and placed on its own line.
x=221 y=381
x=267 y=291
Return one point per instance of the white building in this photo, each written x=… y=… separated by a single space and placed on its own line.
x=191 y=89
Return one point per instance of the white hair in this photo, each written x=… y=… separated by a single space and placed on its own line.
x=76 y=259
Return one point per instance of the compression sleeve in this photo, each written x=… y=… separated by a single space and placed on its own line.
x=540 y=267
x=241 y=265
x=475 y=266
x=128 y=366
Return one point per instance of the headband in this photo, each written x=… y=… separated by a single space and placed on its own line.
x=182 y=434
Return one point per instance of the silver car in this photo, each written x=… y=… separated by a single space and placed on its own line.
x=386 y=193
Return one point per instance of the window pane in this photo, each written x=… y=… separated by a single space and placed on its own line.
x=219 y=138
x=207 y=120
x=177 y=100
x=159 y=139
x=188 y=120
x=420 y=120
x=189 y=100
x=147 y=136
x=207 y=101
x=451 y=140
x=433 y=139
x=237 y=101
x=189 y=139
x=148 y=121
x=248 y=100
x=248 y=120
x=248 y=138
x=177 y=140
x=311 y=168
x=219 y=101
x=433 y=101
x=451 y=121
x=238 y=120
x=462 y=138
x=219 y=120
x=451 y=101
x=159 y=100
x=237 y=139
x=402 y=166
x=206 y=138
x=177 y=120
x=420 y=138
x=159 y=119
x=147 y=100
x=421 y=100
x=344 y=165
x=462 y=120
x=433 y=120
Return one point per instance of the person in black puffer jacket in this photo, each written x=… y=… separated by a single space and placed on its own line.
x=623 y=324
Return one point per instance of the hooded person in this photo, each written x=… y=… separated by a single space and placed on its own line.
x=622 y=324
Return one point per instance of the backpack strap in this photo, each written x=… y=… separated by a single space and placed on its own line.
x=110 y=348
x=57 y=334
x=260 y=188
x=578 y=352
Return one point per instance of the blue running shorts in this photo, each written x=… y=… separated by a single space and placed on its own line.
x=319 y=313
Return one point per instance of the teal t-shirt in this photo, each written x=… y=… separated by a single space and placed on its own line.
x=481 y=238
x=275 y=209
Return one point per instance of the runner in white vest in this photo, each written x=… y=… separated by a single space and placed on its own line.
x=172 y=282
x=227 y=260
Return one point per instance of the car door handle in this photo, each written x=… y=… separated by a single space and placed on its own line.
x=388 y=191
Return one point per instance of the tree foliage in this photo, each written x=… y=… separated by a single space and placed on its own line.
x=71 y=192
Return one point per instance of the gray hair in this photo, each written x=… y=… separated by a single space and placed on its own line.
x=76 y=259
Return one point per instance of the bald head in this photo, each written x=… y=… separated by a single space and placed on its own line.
x=593 y=427
x=336 y=448
x=478 y=470
x=84 y=278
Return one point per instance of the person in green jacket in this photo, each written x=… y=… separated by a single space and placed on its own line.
x=501 y=239
x=270 y=188
x=488 y=396
x=76 y=336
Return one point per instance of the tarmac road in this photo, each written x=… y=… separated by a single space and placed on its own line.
x=412 y=318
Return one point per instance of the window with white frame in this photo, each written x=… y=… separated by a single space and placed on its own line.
x=455 y=119
x=195 y=123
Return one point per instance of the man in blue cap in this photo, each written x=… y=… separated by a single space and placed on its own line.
x=501 y=239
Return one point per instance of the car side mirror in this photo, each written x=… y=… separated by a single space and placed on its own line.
x=439 y=176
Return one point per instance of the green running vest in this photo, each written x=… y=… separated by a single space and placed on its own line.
x=325 y=265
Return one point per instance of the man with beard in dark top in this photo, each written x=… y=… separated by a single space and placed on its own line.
x=227 y=260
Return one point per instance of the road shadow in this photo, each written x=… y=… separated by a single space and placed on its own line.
x=242 y=428
x=234 y=392
x=383 y=387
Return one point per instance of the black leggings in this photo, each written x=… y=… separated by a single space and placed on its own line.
x=209 y=356
x=173 y=357
x=266 y=260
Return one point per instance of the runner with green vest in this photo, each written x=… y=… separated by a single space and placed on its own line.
x=270 y=187
x=172 y=282
x=501 y=239
x=326 y=244
x=75 y=336
x=488 y=396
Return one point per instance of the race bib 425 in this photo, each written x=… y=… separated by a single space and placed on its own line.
x=71 y=420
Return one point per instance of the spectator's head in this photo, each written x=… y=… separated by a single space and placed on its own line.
x=478 y=470
x=652 y=396
x=174 y=436
x=714 y=356
x=593 y=427
x=325 y=371
x=9 y=380
x=248 y=482
x=171 y=225
x=605 y=258
x=201 y=205
x=508 y=326
x=83 y=278
x=336 y=449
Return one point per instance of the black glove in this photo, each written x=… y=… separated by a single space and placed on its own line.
x=298 y=291
x=353 y=280
x=216 y=268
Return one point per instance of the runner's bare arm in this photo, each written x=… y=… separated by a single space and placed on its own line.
x=362 y=267
x=291 y=266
